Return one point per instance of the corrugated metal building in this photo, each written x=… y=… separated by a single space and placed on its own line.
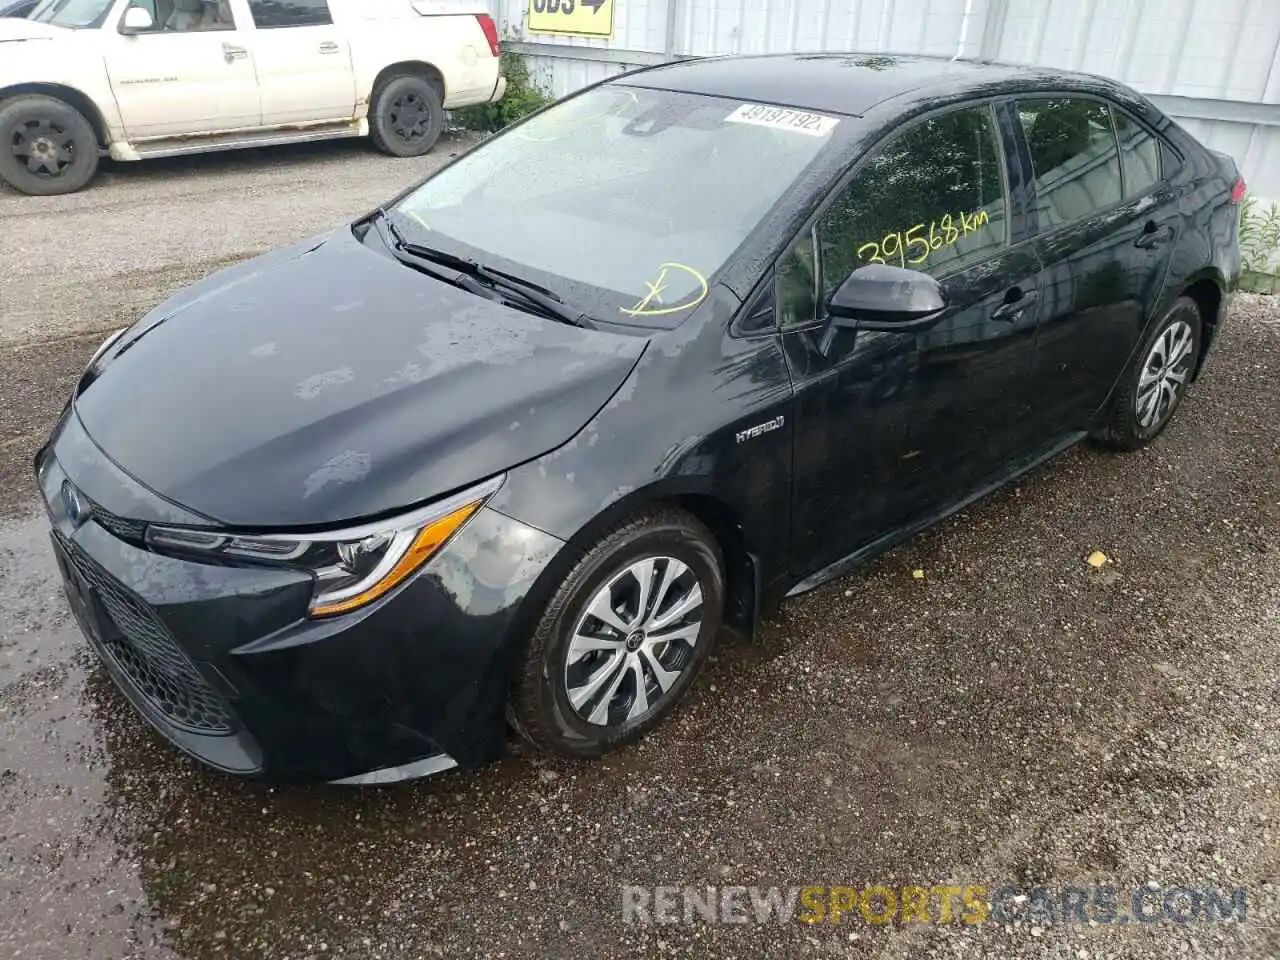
x=1212 y=64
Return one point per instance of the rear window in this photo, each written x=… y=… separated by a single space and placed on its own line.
x=1073 y=156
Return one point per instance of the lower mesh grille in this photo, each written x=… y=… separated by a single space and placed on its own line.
x=148 y=655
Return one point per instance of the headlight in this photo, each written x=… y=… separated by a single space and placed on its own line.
x=352 y=567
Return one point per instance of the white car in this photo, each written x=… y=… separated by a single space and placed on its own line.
x=155 y=78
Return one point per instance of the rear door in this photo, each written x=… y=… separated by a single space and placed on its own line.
x=1106 y=223
x=304 y=63
x=892 y=427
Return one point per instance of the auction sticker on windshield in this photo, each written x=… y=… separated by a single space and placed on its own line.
x=781 y=118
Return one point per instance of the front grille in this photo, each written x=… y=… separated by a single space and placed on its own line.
x=132 y=530
x=143 y=649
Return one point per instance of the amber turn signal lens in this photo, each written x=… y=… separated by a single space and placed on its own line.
x=428 y=540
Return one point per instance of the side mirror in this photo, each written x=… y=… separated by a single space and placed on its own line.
x=881 y=297
x=137 y=20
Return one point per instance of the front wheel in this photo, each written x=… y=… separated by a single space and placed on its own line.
x=46 y=146
x=1154 y=386
x=407 y=115
x=623 y=637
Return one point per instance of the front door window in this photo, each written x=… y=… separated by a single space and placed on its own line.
x=932 y=200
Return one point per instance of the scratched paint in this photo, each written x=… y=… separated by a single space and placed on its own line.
x=311 y=387
x=347 y=467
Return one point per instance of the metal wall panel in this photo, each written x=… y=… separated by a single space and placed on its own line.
x=1220 y=49
x=740 y=26
x=561 y=76
x=1213 y=64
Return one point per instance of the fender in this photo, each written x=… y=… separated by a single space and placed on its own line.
x=67 y=69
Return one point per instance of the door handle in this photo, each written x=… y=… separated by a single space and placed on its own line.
x=1012 y=309
x=231 y=52
x=1152 y=236
x=329 y=47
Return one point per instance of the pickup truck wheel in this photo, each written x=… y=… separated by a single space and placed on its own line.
x=46 y=146
x=407 y=116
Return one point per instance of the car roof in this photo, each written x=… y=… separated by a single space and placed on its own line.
x=845 y=83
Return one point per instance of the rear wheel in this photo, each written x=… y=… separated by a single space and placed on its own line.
x=1155 y=384
x=47 y=147
x=623 y=638
x=407 y=115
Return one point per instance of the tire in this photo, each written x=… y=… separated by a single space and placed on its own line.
x=407 y=115
x=552 y=704
x=1165 y=364
x=65 y=146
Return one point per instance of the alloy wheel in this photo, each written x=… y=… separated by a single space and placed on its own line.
x=1164 y=375
x=633 y=641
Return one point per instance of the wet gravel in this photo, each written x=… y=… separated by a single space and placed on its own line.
x=1015 y=716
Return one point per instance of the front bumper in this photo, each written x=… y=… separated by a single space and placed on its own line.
x=224 y=663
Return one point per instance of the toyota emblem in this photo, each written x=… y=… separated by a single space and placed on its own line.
x=78 y=508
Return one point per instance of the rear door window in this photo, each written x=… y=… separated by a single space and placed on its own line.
x=1139 y=155
x=289 y=13
x=1073 y=157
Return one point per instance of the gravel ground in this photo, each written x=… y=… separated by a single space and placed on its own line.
x=1014 y=717
x=141 y=230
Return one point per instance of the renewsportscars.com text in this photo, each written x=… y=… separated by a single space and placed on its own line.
x=938 y=903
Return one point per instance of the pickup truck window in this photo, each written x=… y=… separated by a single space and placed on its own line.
x=194 y=16
x=289 y=13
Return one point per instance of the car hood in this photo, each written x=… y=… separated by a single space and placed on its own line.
x=328 y=382
x=16 y=28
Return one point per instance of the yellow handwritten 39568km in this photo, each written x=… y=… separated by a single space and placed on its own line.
x=915 y=245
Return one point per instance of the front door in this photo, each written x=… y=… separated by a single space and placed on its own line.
x=191 y=74
x=304 y=63
x=1107 y=225
x=892 y=427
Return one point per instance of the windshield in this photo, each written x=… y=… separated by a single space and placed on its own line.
x=71 y=13
x=625 y=200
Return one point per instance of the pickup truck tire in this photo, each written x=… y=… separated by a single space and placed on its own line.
x=46 y=146
x=407 y=115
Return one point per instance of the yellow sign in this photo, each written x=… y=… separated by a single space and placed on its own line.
x=586 y=18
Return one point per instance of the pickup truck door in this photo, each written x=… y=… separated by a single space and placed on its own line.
x=304 y=63
x=191 y=74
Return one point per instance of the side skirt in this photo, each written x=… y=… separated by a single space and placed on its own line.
x=240 y=140
x=902 y=534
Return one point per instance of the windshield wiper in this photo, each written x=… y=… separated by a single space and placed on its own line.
x=390 y=235
x=544 y=300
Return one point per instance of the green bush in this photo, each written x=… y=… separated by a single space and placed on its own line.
x=1259 y=235
x=522 y=98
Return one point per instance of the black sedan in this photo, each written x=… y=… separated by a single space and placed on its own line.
x=514 y=448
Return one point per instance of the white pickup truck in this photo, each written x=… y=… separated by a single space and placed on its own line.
x=155 y=78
